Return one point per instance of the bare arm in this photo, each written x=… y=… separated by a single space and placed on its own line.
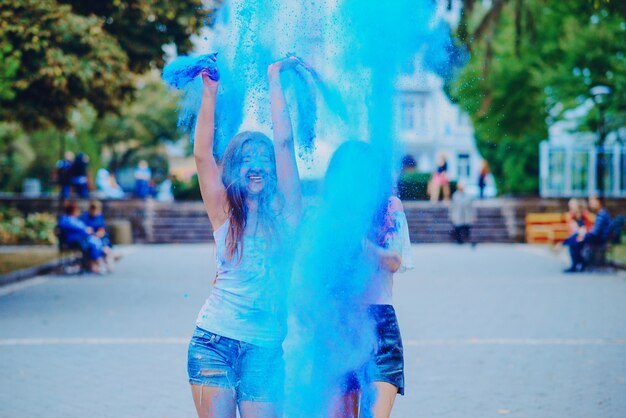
x=286 y=167
x=209 y=176
x=389 y=260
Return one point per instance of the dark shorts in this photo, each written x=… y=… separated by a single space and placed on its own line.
x=254 y=373
x=387 y=362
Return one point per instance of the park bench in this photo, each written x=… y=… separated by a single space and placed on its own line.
x=75 y=255
x=596 y=254
x=546 y=228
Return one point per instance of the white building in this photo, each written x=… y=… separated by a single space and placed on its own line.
x=428 y=124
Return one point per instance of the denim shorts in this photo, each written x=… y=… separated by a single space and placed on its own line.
x=386 y=363
x=254 y=373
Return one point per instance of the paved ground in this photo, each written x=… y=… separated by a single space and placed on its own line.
x=494 y=331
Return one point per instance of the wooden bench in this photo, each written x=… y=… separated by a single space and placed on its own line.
x=546 y=228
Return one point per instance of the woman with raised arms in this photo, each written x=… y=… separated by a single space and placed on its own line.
x=253 y=201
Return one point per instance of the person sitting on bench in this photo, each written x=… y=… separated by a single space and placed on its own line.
x=75 y=234
x=598 y=235
x=94 y=219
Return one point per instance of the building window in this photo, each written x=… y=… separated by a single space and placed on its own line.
x=408 y=115
x=463 y=165
x=412 y=112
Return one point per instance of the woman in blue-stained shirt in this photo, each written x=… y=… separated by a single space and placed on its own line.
x=253 y=202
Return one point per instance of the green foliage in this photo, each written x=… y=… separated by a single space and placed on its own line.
x=142 y=27
x=56 y=54
x=186 y=190
x=145 y=122
x=413 y=186
x=15 y=156
x=36 y=228
x=114 y=140
x=9 y=65
x=72 y=76
x=11 y=224
x=63 y=58
x=39 y=229
x=531 y=61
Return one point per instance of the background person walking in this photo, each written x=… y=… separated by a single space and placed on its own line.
x=78 y=173
x=440 y=180
x=143 y=175
x=63 y=174
x=462 y=214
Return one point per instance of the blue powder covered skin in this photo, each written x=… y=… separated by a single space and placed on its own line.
x=300 y=83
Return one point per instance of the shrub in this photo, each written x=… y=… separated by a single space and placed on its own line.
x=414 y=186
x=187 y=190
x=11 y=224
x=36 y=228
x=39 y=229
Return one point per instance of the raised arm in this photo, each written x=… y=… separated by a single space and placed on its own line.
x=209 y=176
x=286 y=167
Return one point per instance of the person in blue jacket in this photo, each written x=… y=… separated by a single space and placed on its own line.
x=75 y=233
x=94 y=219
x=598 y=235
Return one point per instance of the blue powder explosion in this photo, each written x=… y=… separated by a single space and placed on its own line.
x=357 y=49
x=183 y=70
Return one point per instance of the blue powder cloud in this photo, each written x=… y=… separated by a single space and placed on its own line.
x=358 y=49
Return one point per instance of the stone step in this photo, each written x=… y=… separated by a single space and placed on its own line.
x=183 y=223
x=189 y=224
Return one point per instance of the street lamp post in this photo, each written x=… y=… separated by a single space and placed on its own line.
x=600 y=94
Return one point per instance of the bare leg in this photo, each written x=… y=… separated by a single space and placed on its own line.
x=385 y=396
x=214 y=402
x=345 y=406
x=434 y=192
x=249 y=409
x=446 y=192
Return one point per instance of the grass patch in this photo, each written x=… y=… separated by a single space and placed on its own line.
x=18 y=260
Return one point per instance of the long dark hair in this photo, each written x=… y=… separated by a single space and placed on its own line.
x=356 y=185
x=236 y=193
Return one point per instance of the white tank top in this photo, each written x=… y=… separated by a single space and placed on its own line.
x=248 y=298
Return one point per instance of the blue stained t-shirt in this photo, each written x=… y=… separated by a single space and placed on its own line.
x=248 y=298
